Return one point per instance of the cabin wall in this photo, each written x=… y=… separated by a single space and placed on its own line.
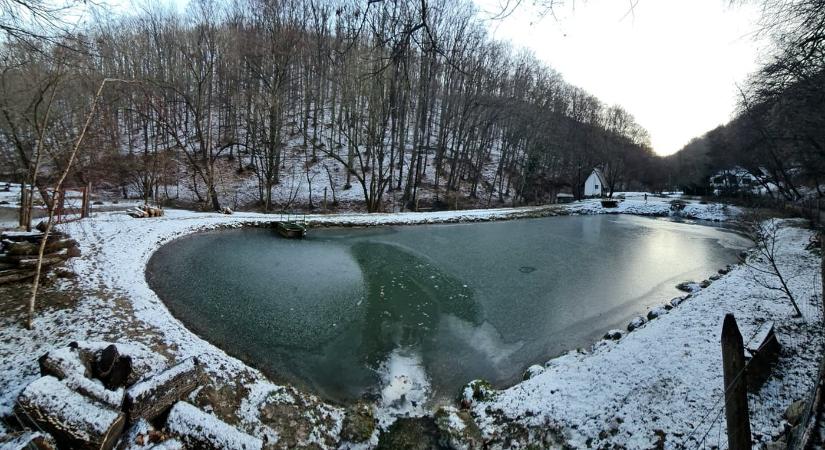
x=592 y=186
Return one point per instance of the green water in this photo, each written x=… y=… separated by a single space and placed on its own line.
x=336 y=312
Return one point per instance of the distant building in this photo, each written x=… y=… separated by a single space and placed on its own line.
x=735 y=180
x=564 y=197
x=595 y=185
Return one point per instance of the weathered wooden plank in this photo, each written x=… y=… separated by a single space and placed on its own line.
x=735 y=385
x=764 y=350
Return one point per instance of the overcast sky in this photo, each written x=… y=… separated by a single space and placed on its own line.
x=673 y=64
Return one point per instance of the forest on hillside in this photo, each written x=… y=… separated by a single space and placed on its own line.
x=778 y=133
x=265 y=104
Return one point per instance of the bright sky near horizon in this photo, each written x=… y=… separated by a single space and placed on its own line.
x=673 y=64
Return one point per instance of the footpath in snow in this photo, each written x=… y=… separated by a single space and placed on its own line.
x=664 y=376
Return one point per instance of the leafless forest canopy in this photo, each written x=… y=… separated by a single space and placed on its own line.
x=390 y=100
x=395 y=97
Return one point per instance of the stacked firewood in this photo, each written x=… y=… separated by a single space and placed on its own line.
x=94 y=395
x=19 y=251
x=140 y=212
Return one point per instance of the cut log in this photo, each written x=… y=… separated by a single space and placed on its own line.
x=48 y=260
x=11 y=276
x=144 y=361
x=17 y=236
x=137 y=213
x=108 y=357
x=21 y=248
x=112 y=368
x=73 y=252
x=153 y=212
x=74 y=420
x=169 y=444
x=95 y=390
x=120 y=373
x=64 y=362
x=5 y=258
x=25 y=440
x=74 y=368
x=152 y=396
x=59 y=244
x=198 y=429
x=145 y=211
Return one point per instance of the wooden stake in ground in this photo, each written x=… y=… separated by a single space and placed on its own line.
x=736 y=389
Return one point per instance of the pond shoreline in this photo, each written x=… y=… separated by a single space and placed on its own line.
x=116 y=249
x=257 y=256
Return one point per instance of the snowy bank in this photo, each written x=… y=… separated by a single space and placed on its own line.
x=658 y=207
x=659 y=384
x=111 y=301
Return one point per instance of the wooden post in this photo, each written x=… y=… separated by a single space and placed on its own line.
x=822 y=272
x=736 y=389
x=24 y=202
x=56 y=201
x=89 y=199
x=325 y=199
x=84 y=212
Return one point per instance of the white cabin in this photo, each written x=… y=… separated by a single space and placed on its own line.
x=595 y=185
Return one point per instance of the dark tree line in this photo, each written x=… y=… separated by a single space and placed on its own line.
x=778 y=135
x=391 y=99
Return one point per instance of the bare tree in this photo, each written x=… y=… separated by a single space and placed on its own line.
x=765 y=264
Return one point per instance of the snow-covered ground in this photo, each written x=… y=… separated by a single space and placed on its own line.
x=634 y=203
x=662 y=376
x=662 y=382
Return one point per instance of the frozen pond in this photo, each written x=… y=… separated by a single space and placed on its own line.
x=347 y=311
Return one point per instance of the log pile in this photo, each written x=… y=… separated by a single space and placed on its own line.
x=74 y=420
x=150 y=398
x=19 y=251
x=200 y=430
x=144 y=211
x=26 y=440
x=89 y=393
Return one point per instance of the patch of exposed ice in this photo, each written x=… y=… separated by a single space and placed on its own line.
x=405 y=387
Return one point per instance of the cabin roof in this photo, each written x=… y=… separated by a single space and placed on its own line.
x=599 y=175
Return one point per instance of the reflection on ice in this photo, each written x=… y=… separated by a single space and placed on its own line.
x=485 y=339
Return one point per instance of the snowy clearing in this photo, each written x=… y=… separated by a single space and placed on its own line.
x=648 y=375
x=667 y=375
